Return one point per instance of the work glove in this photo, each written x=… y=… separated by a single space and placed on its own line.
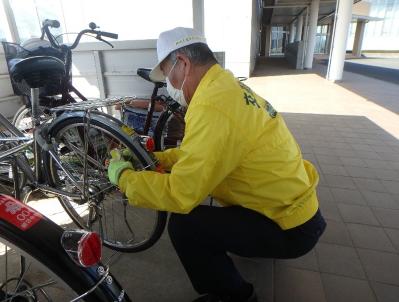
x=116 y=166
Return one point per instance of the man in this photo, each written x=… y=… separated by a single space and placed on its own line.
x=237 y=149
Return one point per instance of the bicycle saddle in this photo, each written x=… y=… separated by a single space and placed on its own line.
x=38 y=71
x=145 y=74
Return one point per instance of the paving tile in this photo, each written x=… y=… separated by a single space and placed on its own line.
x=377 y=164
x=324 y=193
x=387 y=218
x=361 y=172
x=340 y=260
x=380 y=200
x=353 y=161
x=329 y=210
x=389 y=156
x=308 y=262
x=333 y=169
x=344 y=289
x=338 y=145
x=297 y=285
x=347 y=196
x=370 y=237
x=385 y=292
x=369 y=184
x=380 y=266
x=345 y=152
x=357 y=214
x=336 y=233
x=386 y=174
x=392 y=186
x=393 y=234
x=365 y=154
x=360 y=147
x=259 y=272
x=323 y=150
x=328 y=159
x=344 y=182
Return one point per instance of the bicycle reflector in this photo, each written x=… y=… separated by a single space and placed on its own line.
x=83 y=247
x=148 y=143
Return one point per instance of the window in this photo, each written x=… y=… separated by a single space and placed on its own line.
x=132 y=20
x=5 y=34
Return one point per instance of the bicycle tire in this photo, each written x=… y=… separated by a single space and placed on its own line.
x=40 y=244
x=169 y=130
x=106 y=132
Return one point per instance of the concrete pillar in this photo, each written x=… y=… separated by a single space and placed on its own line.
x=268 y=40
x=314 y=13
x=329 y=35
x=299 y=27
x=359 y=34
x=198 y=15
x=292 y=32
x=337 y=57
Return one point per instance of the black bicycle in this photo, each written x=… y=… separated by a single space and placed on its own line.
x=53 y=94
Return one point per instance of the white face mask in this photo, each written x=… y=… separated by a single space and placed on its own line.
x=176 y=94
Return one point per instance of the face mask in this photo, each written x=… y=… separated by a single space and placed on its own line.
x=176 y=94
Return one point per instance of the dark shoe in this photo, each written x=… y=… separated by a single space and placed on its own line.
x=208 y=298
x=213 y=298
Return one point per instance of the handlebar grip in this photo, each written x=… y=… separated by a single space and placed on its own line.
x=108 y=35
x=51 y=23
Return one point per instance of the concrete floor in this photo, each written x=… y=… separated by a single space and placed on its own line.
x=350 y=132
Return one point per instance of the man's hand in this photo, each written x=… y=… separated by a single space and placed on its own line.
x=116 y=166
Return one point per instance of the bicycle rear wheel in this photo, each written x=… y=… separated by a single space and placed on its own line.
x=105 y=209
x=169 y=130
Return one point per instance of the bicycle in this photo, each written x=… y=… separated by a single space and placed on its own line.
x=168 y=130
x=70 y=154
x=43 y=262
x=48 y=94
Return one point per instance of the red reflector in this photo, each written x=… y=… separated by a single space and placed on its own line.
x=150 y=144
x=89 y=249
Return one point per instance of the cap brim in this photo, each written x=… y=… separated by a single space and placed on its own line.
x=156 y=73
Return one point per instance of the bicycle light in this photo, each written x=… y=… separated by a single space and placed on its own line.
x=83 y=247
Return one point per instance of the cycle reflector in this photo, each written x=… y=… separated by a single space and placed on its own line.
x=83 y=247
x=148 y=143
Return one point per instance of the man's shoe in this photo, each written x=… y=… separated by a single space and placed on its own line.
x=213 y=298
x=208 y=298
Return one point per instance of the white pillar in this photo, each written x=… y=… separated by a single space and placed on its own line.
x=268 y=40
x=342 y=18
x=299 y=27
x=357 y=44
x=198 y=15
x=314 y=13
x=292 y=32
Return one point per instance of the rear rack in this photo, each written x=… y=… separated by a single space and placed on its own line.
x=94 y=104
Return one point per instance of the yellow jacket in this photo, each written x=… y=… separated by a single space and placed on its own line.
x=236 y=148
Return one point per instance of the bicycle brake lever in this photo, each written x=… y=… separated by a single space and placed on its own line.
x=102 y=40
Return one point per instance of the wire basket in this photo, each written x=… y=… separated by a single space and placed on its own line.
x=15 y=53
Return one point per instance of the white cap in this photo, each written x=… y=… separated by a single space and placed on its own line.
x=171 y=40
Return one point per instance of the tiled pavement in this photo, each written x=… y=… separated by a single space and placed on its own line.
x=352 y=140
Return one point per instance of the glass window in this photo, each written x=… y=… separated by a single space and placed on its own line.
x=5 y=34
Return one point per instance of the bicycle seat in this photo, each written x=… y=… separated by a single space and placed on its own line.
x=38 y=71
x=145 y=74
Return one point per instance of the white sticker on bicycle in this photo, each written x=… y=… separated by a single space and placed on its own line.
x=18 y=214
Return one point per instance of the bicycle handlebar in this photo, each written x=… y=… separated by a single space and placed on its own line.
x=54 y=23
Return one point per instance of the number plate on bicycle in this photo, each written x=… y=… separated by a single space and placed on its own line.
x=18 y=214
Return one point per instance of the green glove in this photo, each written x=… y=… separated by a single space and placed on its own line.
x=116 y=167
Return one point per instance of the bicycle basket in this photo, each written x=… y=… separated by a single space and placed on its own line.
x=14 y=53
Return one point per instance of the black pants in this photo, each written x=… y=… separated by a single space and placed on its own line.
x=202 y=238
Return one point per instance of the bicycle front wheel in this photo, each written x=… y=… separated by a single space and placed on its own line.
x=84 y=151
